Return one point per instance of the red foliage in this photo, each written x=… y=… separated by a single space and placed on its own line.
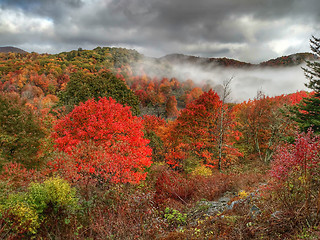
x=302 y=156
x=117 y=150
x=197 y=133
x=193 y=94
x=16 y=175
x=195 y=129
x=153 y=123
x=171 y=185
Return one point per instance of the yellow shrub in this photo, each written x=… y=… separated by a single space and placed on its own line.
x=28 y=210
x=243 y=194
x=27 y=218
x=202 y=171
x=57 y=191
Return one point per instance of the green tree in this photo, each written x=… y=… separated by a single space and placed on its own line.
x=307 y=112
x=20 y=132
x=83 y=86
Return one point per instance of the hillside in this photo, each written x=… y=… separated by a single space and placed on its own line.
x=88 y=150
x=212 y=62
x=283 y=61
x=290 y=60
x=8 y=49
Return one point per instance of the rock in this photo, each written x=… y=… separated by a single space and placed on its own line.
x=231 y=205
x=276 y=214
x=224 y=200
x=254 y=211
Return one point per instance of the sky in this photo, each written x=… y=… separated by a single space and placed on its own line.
x=246 y=30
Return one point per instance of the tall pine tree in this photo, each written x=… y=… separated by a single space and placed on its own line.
x=307 y=112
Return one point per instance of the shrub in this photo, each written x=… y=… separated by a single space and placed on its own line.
x=170 y=184
x=22 y=218
x=202 y=171
x=54 y=193
x=293 y=197
x=125 y=212
x=174 y=218
x=43 y=204
x=212 y=187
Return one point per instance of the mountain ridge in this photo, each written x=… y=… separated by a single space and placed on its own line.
x=8 y=49
x=178 y=58
x=289 y=60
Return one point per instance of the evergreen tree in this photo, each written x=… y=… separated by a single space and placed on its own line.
x=307 y=112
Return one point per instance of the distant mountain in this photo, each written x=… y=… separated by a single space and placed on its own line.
x=225 y=62
x=11 y=49
x=291 y=60
x=284 y=61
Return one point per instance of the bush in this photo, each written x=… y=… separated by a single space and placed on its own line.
x=170 y=184
x=54 y=193
x=292 y=198
x=212 y=187
x=202 y=171
x=174 y=218
x=44 y=207
x=125 y=212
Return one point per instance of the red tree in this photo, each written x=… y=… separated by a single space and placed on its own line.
x=104 y=141
x=194 y=136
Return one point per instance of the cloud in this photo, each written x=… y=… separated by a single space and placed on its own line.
x=248 y=30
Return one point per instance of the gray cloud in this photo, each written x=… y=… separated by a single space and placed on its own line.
x=248 y=30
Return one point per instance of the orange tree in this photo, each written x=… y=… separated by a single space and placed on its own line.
x=195 y=134
x=263 y=124
x=103 y=142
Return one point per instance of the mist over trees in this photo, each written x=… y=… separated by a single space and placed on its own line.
x=93 y=143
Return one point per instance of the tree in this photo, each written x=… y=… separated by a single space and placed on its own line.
x=195 y=136
x=83 y=86
x=263 y=124
x=222 y=123
x=307 y=113
x=171 y=107
x=104 y=141
x=20 y=132
x=153 y=127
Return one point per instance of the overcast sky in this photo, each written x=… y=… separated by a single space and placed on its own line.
x=247 y=30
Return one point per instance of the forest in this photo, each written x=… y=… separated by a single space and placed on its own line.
x=91 y=150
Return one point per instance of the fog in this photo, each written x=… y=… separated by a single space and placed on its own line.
x=245 y=84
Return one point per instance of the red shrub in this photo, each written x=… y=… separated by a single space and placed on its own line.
x=170 y=184
x=16 y=175
x=212 y=187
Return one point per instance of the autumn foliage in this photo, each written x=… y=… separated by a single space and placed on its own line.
x=73 y=116
x=104 y=141
x=300 y=158
x=193 y=137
